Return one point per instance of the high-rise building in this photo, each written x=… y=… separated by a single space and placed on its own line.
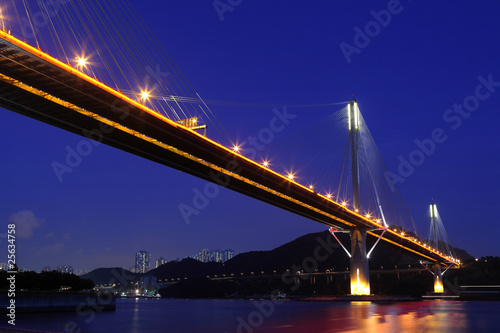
x=226 y=255
x=65 y=269
x=142 y=260
x=160 y=262
x=80 y=272
x=206 y=255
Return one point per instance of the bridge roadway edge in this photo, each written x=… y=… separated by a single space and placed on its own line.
x=20 y=64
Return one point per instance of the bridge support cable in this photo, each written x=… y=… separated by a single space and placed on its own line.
x=379 y=204
x=447 y=268
x=437 y=236
x=427 y=268
x=376 y=242
x=379 y=193
x=333 y=231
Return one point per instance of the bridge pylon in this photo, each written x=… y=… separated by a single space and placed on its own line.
x=360 y=274
x=438 y=239
x=438 y=276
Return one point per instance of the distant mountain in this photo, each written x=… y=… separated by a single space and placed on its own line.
x=109 y=276
x=307 y=253
x=187 y=268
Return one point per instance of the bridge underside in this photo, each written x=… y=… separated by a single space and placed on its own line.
x=37 y=86
x=26 y=103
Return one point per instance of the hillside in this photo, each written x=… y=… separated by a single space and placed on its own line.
x=309 y=252
x=115 y=275
x=315 y=251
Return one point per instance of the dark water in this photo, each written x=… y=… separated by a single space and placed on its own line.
x=165 y=315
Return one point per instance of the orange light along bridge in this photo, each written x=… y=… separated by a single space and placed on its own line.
x=34 y=84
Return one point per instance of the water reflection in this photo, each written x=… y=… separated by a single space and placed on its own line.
x=155 y=316
x=383 y=318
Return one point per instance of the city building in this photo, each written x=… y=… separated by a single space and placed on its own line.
x=80 y=272
x=160 y=262
x=206 y=255
x=142 y=261
x=65 y=269
x=226 y=255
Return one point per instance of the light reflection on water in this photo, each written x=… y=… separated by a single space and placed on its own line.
x=244 y=316
x=398 y=317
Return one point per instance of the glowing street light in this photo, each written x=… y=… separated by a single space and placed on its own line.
x=236 y=148
x=344 y=203
x=81 y=62
x=290 y=176
x=265 y=163
x=145 y=95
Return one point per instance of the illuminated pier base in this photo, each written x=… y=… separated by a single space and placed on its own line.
x=438 y=279
x=360 y=275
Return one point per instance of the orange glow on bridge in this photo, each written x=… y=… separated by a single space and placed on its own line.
x=367 y=221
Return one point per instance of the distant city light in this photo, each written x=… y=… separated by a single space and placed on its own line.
x=206 y=255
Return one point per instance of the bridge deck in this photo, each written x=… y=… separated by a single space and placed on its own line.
x=39 y=86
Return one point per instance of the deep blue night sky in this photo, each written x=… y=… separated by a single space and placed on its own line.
x=429 y=57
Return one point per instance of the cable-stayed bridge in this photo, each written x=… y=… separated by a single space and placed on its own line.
x=37 y=85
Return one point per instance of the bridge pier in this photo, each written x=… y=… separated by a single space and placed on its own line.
x=360 y=274
x=438 y=279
